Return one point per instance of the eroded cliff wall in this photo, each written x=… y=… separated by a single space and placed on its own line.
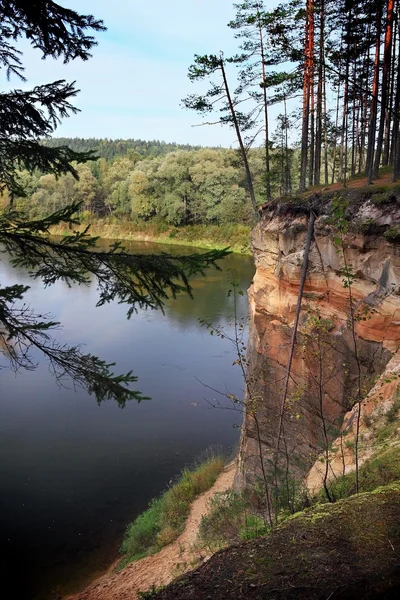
x=328 y=373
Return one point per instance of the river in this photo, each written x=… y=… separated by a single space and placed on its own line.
x=73 y=473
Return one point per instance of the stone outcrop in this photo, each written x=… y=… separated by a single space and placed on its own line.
x=328 y=376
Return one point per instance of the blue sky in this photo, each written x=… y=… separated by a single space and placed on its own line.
x=133 y=85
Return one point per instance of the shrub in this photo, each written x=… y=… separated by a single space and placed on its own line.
x=393 y=234
x=382 y=198
x=232 y=518
x=392 y=413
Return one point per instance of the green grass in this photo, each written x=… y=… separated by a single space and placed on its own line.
x=381 y=469
x=232 y=518
x=166 y=516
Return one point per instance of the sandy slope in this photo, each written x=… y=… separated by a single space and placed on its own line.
x=160 y=569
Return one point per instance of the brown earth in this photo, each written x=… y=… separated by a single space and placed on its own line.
x=159 y=569
x=346 y=550
x=357 y=182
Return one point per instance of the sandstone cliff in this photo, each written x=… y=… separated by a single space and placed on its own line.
x=329 y=374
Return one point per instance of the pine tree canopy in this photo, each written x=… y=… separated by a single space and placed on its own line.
x=26 y=117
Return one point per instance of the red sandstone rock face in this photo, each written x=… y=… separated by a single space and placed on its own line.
x=319 y=397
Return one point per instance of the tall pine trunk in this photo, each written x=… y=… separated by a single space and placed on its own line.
x=320 y=94
x=396 y=115
x=385 y=84
x=265 y=100
x=374 y=102
x=308 y=57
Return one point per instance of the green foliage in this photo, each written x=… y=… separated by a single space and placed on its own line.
x=381 y=469
x=370 y=227
x=393 y=234
x=30 y=168
x=111 y=149
x=231 y=519
x=205 y=186
x=392 y=413
x=165 y=518
x=27 y=115
x=382 y=198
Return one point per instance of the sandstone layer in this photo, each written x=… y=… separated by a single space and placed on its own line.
x=349 y=330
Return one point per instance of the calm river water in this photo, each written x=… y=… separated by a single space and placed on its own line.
x=72 y=473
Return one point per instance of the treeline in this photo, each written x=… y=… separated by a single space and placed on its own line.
x=184 y=187
x=332 y=66
x=111 y=149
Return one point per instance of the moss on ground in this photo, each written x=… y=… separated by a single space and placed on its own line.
x=350 y=549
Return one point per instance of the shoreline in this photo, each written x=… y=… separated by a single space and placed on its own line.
x=173 y=236
x=161 y=568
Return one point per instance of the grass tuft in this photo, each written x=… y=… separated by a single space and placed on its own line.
x=166 y=516
x=232 y=519
x=380 y=470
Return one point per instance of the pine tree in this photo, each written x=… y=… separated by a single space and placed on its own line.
x=250 y=24
x=25 y=118
x=206 y=67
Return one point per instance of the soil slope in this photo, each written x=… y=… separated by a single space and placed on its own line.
x=350 y=549
x=161 y=568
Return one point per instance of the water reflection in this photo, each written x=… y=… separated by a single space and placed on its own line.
x=73 y=473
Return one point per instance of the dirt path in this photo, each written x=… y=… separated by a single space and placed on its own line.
x=160 y=569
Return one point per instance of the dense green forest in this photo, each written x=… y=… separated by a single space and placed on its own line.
x=149 y=181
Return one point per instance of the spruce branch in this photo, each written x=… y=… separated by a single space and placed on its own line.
x=138 y=280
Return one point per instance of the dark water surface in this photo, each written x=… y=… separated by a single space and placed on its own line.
x=72 y=473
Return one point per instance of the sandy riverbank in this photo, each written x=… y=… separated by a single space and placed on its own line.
x=161 y=568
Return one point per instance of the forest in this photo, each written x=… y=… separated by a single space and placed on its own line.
x=332 y=68
x=330 y=71
x=176 y=187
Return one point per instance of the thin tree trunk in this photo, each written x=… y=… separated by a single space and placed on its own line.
x=265 y=100
x=310 y=234
x=336 y=126
x=318 y=129
x=364 y=105
x=343 y=153
x=312 y=101
x=240 y=140
x=389 y=109
x=354 y=125
x=288 y=182
x=312 y=136
x=396 y=117
x=322 y=415
x=325 y=132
